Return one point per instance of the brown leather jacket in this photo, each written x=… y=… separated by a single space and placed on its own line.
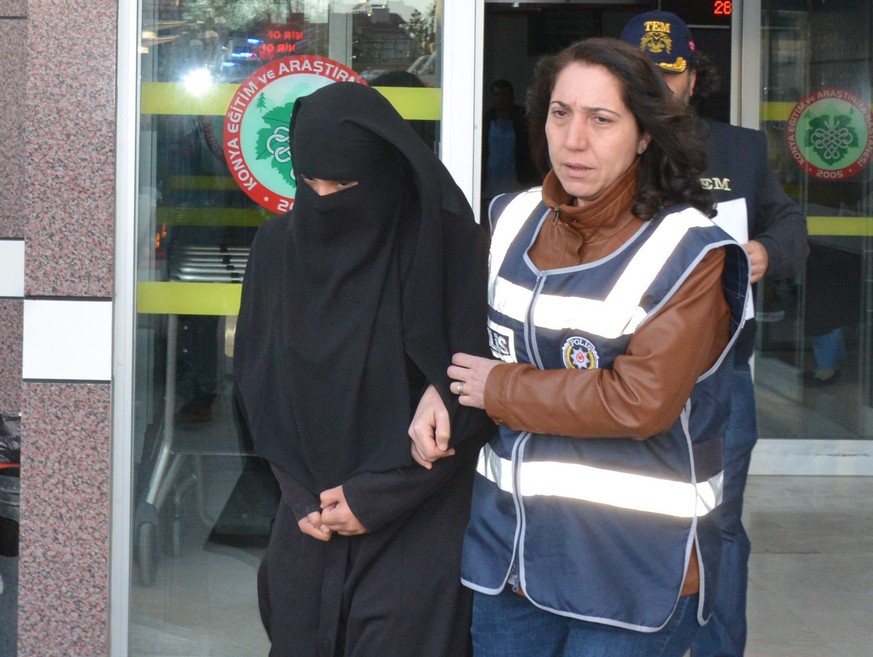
x=644 y=392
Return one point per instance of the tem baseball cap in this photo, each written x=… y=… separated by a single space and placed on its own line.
x=664 y=37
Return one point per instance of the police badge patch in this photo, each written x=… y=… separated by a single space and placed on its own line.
x=579 y=354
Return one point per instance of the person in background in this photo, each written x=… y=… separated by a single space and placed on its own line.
x=829 y=351
x=833 y=287
x=352 y=306
x=506 y=159
x=614 y=303
x=754 y=209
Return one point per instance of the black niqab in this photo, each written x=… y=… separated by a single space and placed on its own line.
x=351 y=301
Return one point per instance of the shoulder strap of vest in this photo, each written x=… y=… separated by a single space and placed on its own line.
x=510 y=221
x=735 y=279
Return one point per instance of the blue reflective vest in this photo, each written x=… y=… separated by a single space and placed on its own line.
x=601 y=529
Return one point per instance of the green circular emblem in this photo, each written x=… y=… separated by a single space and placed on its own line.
x=256 y=144
x=830 y=134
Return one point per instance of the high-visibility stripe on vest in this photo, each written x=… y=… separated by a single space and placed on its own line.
x=611 y=487
x=600 y=529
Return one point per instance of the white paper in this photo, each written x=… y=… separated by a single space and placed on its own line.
x=733 y=218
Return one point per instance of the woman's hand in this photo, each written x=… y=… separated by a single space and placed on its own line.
x=430 y=429
x=470 y=374
x=336 y=515
x=312 y=526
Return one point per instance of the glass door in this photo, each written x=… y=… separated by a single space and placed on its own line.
x=790 y=69
x=814 y=382
x=217 y=79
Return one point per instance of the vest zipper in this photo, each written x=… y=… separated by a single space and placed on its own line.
x=513 y=577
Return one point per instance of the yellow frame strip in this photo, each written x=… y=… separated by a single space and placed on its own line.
x=413 y=103
x=172 y=298
x=177 y=298
x=251 y=217
x=778 y=110
x=242 y=217
x=845 y=226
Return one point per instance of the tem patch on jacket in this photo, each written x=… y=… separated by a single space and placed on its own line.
x=502 y=342
x=579 y=354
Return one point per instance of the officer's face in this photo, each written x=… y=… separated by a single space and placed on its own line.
x=592 y=135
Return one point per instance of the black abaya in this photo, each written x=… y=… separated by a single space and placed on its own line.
x=351 y=304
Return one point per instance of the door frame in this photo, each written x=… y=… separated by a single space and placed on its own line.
x=124 y=325
x=461 y=126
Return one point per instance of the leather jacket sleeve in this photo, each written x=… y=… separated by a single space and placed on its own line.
x=644 y=392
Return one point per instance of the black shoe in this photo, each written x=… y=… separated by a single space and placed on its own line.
x=195 y=413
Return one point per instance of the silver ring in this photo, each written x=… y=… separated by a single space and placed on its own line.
x=461 y=388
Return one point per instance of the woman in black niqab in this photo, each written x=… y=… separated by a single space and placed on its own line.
x=352 y=304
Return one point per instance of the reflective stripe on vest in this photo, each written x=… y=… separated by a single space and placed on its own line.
x=511 y=220
x=618 y=314
x=610 y=487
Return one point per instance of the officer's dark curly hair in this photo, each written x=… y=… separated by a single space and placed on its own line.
x=671 y=166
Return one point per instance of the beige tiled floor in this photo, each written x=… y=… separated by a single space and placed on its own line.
x=811 y=571
x=810 y=595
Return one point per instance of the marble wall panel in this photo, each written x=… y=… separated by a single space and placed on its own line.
x=13 y=75
x=70 y=147
x=65 y=511
x=10 y=355
x=68 y=203
x=13 y=8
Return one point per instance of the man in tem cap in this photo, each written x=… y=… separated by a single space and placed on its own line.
x=754 y=209
x=664 y=37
